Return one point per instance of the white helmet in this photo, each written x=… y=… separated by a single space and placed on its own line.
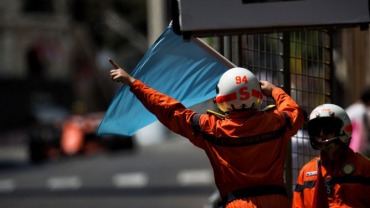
x=326 y=119
x=238 y=89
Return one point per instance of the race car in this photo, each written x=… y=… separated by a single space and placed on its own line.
x=74 y=135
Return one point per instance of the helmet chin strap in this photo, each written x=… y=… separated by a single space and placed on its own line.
x=319 y=145
x=328 y=141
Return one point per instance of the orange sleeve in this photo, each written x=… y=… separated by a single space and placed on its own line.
x=284 y=103
x=170 y=112
x=298 y=191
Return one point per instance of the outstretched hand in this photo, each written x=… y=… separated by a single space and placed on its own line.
x=120 y=75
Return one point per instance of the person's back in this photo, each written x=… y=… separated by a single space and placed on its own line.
x=257 y=160
x=246 y=147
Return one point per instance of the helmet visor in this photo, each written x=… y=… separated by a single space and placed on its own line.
x=324 y=131
x=324 y=126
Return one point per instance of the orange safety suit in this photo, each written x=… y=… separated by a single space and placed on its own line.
x=346 y=181
x=257 y=167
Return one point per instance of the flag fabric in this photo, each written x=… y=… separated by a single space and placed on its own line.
x=187 y=70
x=320 y=198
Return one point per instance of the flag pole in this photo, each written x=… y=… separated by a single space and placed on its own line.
x=213 y=52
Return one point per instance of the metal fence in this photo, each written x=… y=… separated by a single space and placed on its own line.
x=298 y=61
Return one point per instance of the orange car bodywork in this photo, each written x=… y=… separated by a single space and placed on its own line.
x=75 y=129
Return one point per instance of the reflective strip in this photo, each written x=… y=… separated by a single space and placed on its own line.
x=306 y=184
x=337 y=180
x=245 y=141
x=226 y=98
x=195 y=124
x=257 y=94
x=251 y=140
x=352 y=179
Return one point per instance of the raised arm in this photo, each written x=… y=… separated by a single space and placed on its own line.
x=120 y=75
x=170 y=112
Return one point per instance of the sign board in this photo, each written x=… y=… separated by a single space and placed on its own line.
x=212 y=16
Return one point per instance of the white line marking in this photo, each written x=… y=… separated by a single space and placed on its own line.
x=195 y=177
x=124 y=180
x=60 y=183
x=7 y=185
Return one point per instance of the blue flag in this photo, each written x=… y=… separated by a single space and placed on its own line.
x=185 y=70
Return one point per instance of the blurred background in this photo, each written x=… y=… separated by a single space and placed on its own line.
x=54 y=57
x=55 y=88
x=55 y=52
